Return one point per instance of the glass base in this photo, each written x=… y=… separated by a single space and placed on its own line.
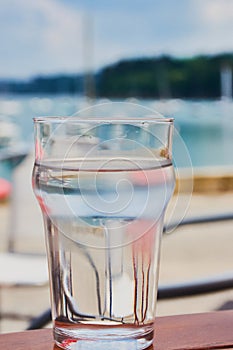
x=85 y=337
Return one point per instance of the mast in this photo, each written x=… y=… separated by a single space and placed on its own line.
x=88 y=55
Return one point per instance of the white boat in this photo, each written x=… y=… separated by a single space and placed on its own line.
x=9 y=132
x=12 y=153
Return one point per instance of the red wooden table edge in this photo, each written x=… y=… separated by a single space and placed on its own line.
x=213 y=330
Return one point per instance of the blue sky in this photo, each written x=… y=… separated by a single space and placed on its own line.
x=55 y=36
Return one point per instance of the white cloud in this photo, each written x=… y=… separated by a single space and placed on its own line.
x=39 y=36
x=214 y=29
x=216 y=12
x=63 y=26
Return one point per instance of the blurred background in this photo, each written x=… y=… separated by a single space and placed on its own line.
x=60 y=56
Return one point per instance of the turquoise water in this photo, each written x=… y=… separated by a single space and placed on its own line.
x=203 y=135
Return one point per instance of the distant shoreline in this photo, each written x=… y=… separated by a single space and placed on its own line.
x=162 y=77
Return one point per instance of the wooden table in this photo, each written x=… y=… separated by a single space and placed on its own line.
x=197 y=331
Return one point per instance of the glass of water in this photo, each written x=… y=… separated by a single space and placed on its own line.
x=103 y=187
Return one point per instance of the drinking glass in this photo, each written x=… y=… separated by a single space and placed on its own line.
x=103 y=186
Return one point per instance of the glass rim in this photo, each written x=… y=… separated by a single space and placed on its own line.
x=107 y=120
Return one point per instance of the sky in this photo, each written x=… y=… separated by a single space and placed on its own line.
x=72 y=36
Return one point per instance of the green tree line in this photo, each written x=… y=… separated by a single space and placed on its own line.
x=165 y=77
x=155 y=77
